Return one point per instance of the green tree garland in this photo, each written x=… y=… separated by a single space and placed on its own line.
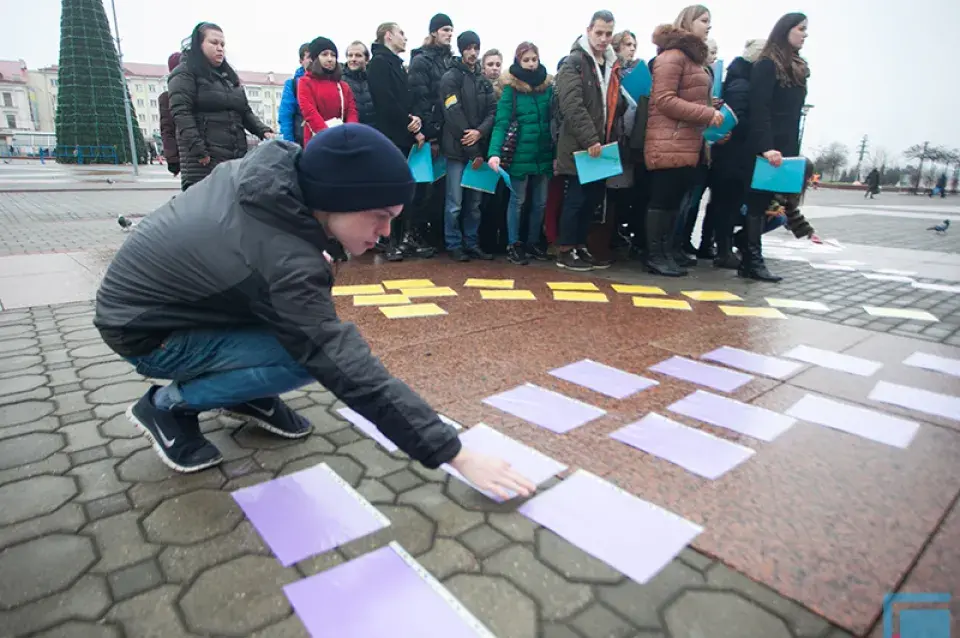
x=91 y=86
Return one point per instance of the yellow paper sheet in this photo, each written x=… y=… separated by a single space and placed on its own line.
x=413 y=310
x=745 y=311
x=366 y=289
x=570 y=295
x=507 y=294
x=638 y=290
x=442 y=291
x=500 y=284
x=668 y=304
x=900 y=313
x=380 y=300
x=797 y=304
x=572 y=285
x=400 y=284
x=711 y=295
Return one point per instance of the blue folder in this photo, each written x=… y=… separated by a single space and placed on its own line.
x=482 y=179
x=638 y=82
x=717 y=78
x=787 y=178
x=420 y=161
x=506 y=179
x=439 y=166
x=593 y=169
x=714 y=133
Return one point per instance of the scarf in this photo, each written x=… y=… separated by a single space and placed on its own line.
x=534 y=78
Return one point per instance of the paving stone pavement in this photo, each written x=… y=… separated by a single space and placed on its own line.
x=60 y=222
x=99 y=539
x=890 y=232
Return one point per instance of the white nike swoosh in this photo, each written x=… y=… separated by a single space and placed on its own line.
x=167 y=442
x=263 y=412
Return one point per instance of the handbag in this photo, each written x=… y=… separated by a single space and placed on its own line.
x=509 y=146
x=337 y=121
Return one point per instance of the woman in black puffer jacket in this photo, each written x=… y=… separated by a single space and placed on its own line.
x=209 y=107
x=355 y=74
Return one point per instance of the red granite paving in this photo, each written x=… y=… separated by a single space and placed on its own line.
x=828 y=519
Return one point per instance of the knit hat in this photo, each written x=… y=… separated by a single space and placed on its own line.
x=321 y=44
x=353 y=167
x=467 y=39
x=439 y=21
x=174 y=60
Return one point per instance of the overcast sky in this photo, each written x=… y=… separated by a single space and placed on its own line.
x=887 y=71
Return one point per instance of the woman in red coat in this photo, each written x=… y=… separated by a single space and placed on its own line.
x=325 y=99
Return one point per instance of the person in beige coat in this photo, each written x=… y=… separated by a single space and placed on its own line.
x=680 y=109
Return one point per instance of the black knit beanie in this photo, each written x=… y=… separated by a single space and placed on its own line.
x=439 y=21
x=467 y=39
x=353 y=167
x=321 y=44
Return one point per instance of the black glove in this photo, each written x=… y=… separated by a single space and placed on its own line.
x=173 y=168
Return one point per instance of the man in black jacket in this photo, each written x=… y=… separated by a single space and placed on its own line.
x=393 y=113
x=428 y=63
x=226 y=291
x=469 y=109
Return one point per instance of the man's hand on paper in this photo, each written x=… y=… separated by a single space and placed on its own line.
x=492 y=474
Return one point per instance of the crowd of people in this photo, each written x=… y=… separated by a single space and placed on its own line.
x=516 y=116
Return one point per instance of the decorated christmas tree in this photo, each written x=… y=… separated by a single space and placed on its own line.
x=92 y=88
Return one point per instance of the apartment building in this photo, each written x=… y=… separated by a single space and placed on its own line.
x=15 y=111
x=145 y=82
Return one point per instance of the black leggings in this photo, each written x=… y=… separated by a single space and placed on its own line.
x=669 y=185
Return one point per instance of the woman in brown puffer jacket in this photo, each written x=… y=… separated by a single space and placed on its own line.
x=680 y=110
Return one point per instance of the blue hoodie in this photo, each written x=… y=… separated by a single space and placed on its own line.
x=289 y=116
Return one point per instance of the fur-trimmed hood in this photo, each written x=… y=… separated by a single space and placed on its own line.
x=322 y=74
x=508 y=79
x=667 y=37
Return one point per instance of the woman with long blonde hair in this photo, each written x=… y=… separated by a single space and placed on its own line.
x=680 y=109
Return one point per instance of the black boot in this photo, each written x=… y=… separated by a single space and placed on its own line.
x=660 y=227
x=753 y=266
x=725 y=257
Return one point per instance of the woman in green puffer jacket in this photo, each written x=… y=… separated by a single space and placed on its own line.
x=521 y=143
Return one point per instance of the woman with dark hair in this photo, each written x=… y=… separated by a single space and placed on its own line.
x=209 y=107
x=778 y=89
x=325 y=99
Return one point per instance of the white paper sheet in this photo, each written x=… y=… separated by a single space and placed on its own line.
x=696 y=451
x=869 y=424
x=754 y=362
x=752 y=420
x=834 y=361
x=942 y=405
x=934 y=362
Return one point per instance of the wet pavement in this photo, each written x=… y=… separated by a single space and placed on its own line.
x=801 y=541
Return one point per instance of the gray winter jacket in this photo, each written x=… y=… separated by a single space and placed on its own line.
x=241 y=250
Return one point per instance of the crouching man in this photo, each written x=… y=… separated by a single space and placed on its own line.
x=226 y=291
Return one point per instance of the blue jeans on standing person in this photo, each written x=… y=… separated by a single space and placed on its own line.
x=212 y=369
x=539 y=184
x=460 y=202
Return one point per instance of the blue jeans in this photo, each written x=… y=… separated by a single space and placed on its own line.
x=217 y=368
x=770 y=223
x=540 y=185
x=460 y=199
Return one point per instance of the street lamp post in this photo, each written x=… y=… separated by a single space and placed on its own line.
x=803 y=122
x=126 y=98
